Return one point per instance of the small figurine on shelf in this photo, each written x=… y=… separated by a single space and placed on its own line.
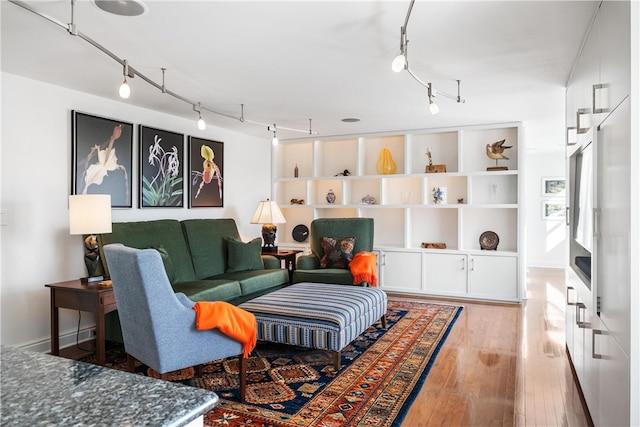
x=369 y=200
x=295 y=171
x=343 y=173
x=297 y=201
x=431 y=168
x=439 y=195
x=495 y=152
x=331 y=197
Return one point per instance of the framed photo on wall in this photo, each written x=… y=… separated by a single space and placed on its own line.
x=206 y=169
x=102 y=152
x=161 y=168
x=553 y=186
x=553 y=210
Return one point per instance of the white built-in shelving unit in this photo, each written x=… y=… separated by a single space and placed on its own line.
x=405 y=213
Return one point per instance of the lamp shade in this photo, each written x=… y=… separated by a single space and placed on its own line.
x=268 y=212
x=89 y=214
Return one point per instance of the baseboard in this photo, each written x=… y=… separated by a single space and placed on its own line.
x=66 y=340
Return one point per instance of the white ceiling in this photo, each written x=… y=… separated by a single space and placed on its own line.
x=289 y=61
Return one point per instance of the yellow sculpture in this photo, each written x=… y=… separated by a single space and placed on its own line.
x=385 y=165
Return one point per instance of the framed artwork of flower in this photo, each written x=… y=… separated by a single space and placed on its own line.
x=102 y=152
x=161 y=168
x=206 y=166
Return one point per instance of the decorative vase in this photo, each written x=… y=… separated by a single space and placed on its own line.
x=331 y=197
x=385 y=165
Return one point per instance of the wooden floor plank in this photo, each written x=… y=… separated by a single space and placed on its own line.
x=504 y=364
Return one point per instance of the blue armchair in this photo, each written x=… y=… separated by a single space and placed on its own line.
x=158 y=325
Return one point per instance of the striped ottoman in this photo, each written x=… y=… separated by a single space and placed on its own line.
x=317 y=315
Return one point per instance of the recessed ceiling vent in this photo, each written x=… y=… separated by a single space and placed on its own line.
x=122 y=7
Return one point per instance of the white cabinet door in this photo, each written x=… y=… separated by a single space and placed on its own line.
x=493 y=277
x=613 y=406
x=401 y=271
x=445 y=274
x=615 y=37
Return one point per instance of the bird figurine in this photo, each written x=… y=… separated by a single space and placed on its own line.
x=495 y=151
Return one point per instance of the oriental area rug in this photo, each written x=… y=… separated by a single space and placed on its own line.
x=382 y=372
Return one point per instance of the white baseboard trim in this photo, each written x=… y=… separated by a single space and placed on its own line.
x=66 y=340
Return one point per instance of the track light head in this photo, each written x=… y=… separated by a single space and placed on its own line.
x=399 y=63
x=201 y=124
x=433 y=107
x=274 y=141
x=125 y=90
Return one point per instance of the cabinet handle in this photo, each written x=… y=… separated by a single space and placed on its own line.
x=566 y=216
x=473 y=264
x=580 y=112
x=462 y=266
x=596 y=219
x=595 y=355
x=579 y=307
x=384 y=259
x=570 y=288
x=570 y=137
x=596 y=88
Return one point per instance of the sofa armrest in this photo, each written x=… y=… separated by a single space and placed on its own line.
x=270 y=262
x=308 y=262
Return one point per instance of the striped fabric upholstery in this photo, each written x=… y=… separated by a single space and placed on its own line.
x=317 y=315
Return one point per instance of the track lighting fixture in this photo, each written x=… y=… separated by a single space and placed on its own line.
x=274 y=141
x=201 y=123
x=125 y=90
x=129 y=72
x=401 y=62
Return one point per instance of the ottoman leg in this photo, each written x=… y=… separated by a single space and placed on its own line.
x=383 y=320
x=336 y=360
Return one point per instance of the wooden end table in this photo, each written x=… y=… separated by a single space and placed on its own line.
x=76 y=295
x=289 y=258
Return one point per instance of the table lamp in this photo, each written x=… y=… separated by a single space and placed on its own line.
x=268 y=214
x=90 y=214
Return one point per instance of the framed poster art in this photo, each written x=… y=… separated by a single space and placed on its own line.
x=102 y=152
x=553 y=210
x=553 y=187
x=161 y=168
x=206 y=166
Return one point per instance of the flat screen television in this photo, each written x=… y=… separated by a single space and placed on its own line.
x=581 y=203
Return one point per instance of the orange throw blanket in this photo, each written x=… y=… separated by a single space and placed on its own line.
x=232 y=321
x=363 y=268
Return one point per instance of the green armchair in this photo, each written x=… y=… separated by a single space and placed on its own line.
x=310 y=268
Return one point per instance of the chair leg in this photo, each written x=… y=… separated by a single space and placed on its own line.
x=242 y=374
x=199 y=370
x=131 y=363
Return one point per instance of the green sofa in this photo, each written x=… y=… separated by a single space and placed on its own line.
x=200 y=260
x=308 y=267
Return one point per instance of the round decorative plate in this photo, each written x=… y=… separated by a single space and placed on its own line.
x=300 y=233
x=489 y=240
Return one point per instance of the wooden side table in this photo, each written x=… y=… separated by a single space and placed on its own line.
x=289 y=257
x=75 y=295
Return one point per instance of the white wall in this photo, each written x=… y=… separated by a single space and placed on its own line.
x=35 y=176
x=547 y=244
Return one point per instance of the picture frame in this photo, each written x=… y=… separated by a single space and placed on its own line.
x=553 y=210
x=206 y=172
x=102 y=152
x=161 y=168
x=553 y=186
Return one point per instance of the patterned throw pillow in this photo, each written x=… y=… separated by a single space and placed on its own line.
x=337 y=253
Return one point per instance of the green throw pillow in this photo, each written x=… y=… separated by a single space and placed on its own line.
x=168 y=265
x=338 y=253
x=244 y=256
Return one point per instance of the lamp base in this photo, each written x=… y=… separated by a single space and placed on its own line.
x=271 y=249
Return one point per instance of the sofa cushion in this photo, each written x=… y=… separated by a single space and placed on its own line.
x=338 y=253
x=257 y=280
x=153 y=234
x=210 y=289
x=207 y=240
x=244 y=256
x=324 y=275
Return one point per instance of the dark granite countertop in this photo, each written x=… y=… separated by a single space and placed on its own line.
x=40 y=389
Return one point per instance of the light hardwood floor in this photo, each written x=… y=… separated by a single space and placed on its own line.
x=504 y=365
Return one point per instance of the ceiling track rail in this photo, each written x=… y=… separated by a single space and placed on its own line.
x=71 y=28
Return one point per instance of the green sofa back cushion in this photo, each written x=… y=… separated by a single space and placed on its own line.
x=207 y=240
x=166 y=233
x=244 y=256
